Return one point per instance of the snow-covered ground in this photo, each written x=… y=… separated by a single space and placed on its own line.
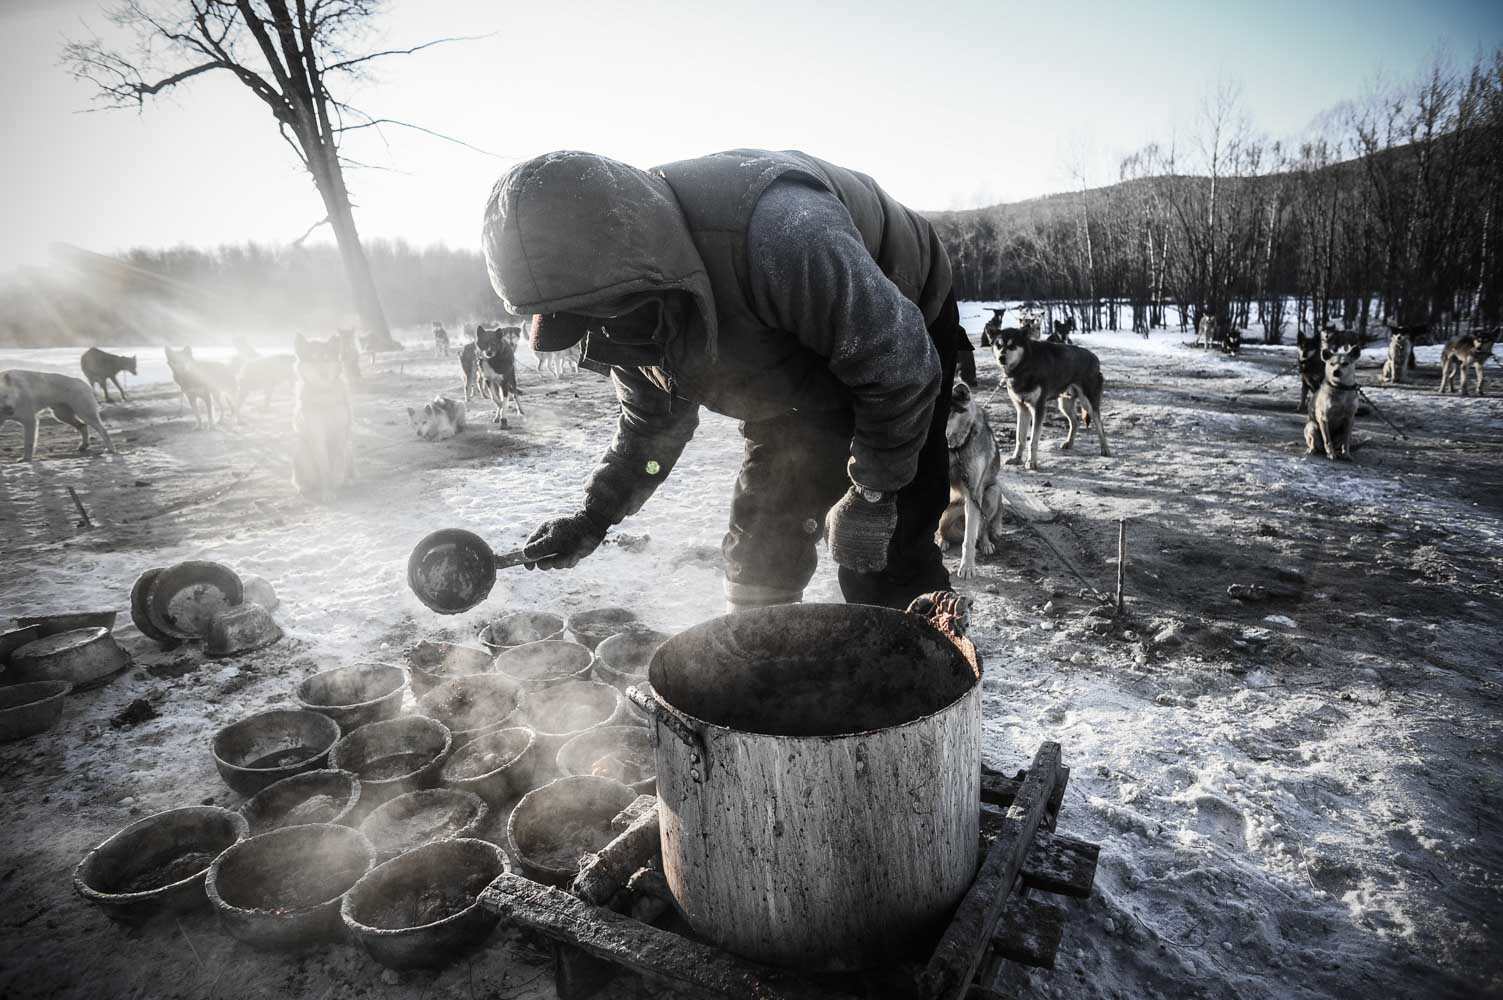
x=1295 y=797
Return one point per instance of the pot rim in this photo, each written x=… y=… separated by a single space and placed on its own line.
x=366 y=930
x=237 y=823
x=211 y=877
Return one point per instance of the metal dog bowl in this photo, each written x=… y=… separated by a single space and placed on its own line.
x=270 y=746
x=553 y=827
x=624 y=753
x=241 y=629
x=14 y=639
x=69 y=621
x=498 y=766
x=355 y=695
x=84 y=657
x=622 y=659
x=283 y=889
x=561 y=712
x=475 y=705
x=259 y=591
x=422 y=910
x=431 y=663
x=395 y=756
x=312 y=797
x=451 y=570
x=157 y=863
x=28 y=709
x=595 y=626
x=416 y=818
x=140 y=609
x=540 y=663
x=519 y=628
x=182 y=600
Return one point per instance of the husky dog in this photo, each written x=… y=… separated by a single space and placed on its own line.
x=1399 y=349
x=1311 y=368
x=1031 y=324
x=1062 y=330
x=206 y=381
x=101 y=368
x=1039 y=371
x=1335 y=404
x=440 y=340
x=496 y=367
x=974 y=463
x=993 y=326
x=557 y=361
x=470 y=367
x=1205 y=331
x=264 y=374
x=443 y=418
x=1415 y=332
x=1470 y=350
x=323 y=456
x=25 y=395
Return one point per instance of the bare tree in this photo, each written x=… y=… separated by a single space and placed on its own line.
x=286 y=53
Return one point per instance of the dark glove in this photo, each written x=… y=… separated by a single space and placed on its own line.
x=562 y=542
x=860 y=530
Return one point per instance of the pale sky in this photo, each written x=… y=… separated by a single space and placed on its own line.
x=947 y=105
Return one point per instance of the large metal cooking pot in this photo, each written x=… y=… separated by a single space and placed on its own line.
x=818 y=779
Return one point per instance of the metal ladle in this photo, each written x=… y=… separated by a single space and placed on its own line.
x=452 y=570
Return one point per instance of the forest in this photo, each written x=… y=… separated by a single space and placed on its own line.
x=1386 y=212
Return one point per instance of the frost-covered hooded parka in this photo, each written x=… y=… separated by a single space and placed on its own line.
x=573 y=232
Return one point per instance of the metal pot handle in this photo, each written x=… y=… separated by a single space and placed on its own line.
x=648 y=702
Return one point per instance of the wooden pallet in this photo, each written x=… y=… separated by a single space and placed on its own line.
x=1012 y=912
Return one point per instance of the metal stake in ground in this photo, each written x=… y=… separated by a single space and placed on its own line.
x=1121 y=560
x=82 y=513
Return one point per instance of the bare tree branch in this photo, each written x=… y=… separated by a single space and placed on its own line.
x=309 y=231
x=347 y=64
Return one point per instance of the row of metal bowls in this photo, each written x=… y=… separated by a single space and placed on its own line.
x=297 y=886
x=47 y=657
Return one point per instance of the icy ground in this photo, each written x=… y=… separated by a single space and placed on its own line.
x=1295 y=797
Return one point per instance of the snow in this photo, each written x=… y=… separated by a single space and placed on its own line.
x=1293 y=800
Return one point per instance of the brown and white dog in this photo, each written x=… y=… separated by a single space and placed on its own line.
x=1470 y=350
x=101 y=368
x=1038 y=371
x=974 y=516
x=436 y=421
x=323 y=455
x=26 y=395
x=496 y=368
x=1334 y=409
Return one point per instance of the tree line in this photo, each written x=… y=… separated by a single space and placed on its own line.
x=1387 y=213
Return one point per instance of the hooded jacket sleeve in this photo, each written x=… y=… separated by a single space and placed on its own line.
x=811 y=274
x=651 y=433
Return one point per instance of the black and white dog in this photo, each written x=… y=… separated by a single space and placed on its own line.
x=1038 y=371
x=496 y=368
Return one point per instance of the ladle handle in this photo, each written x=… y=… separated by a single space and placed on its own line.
x=516 y=557
x=648 y=702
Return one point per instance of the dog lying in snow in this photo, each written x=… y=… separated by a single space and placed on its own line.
x=25 y=395
x=323 y=456
x=1037 y=372
x=1334 y=408
x=1470 y=350
x=436 y=421
x=974 y=516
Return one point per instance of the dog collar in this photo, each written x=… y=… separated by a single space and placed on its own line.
x=1343 y=388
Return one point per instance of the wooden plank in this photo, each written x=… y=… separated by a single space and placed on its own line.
x=1030 y=931
x=640 y=806
x=605 y=874
x=999 y=790
x=1061 y=865
x=953 y=963
x=1055 y=863
x=656 y=955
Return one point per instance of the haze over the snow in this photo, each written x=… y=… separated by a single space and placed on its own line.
x=948 y=105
